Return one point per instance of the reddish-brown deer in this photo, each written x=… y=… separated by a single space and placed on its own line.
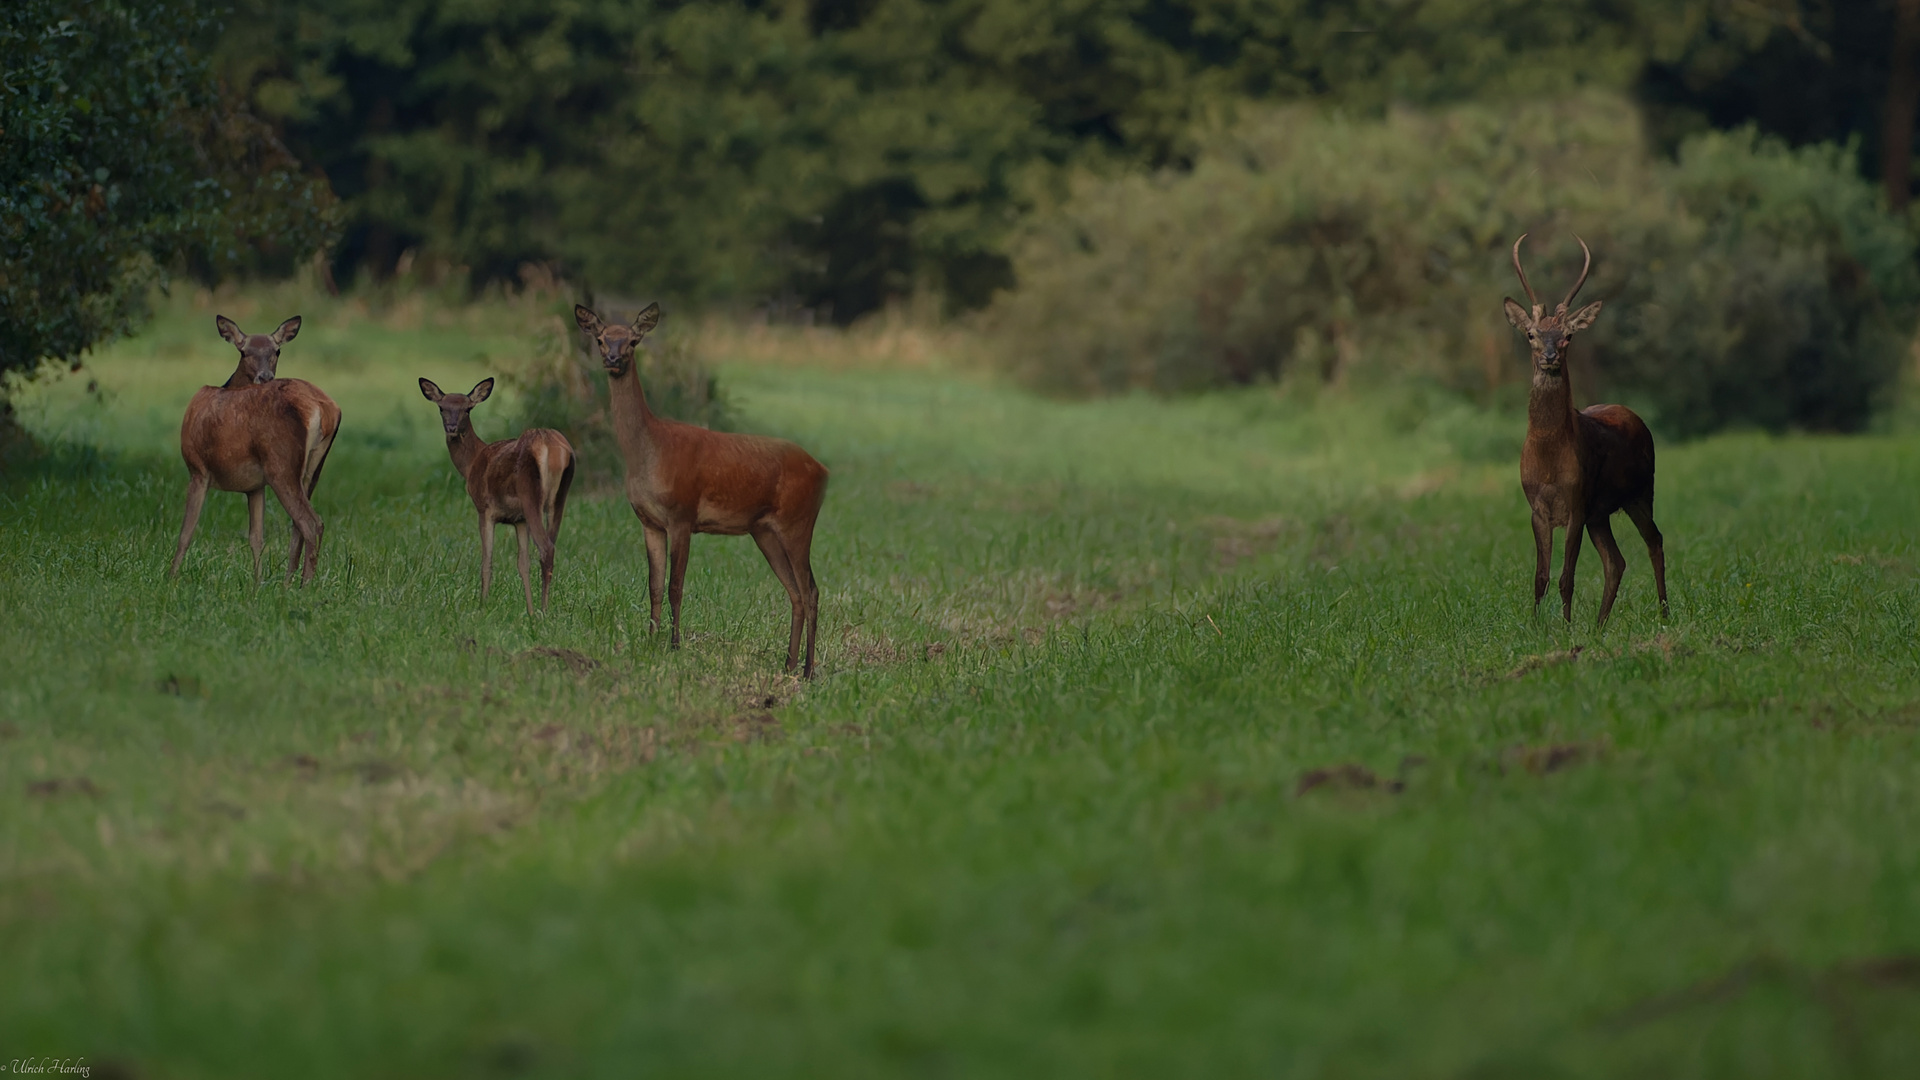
x=257 y=432
x=521 y=482
x=684 y=479
x=1579 y=466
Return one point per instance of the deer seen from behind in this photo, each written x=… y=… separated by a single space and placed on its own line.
x=256 y=432
x=521 y=482
x=684 y=479
x=1579 y=466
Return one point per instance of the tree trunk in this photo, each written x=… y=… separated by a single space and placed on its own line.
x=1903 y=96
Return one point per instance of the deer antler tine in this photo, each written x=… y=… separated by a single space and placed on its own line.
x=1588 y=265
x=1531 y=298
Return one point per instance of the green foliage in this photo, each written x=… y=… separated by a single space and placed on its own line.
x=842 y=153
x=1794 y=309
x=118 y=161
x=1040 y=815
x=1747 y=284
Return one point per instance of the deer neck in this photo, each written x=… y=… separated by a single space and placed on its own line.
x=633 y=421
x=1550 y=410
x=242 y=376
x=464 y=448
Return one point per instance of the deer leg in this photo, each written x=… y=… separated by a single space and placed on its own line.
x=1612 y=563
x=306 y=528
x=486 y=557
x=1576 y=535
x=559 y=503
x=800 y=552
x=196 y=498
x=1542 y=556
x=533 y=500
x=776 y=554
x=557 y=507
x=1642 y=514
x=520 y=531
x=257 y=527
x=679 y=546
x=656 y=571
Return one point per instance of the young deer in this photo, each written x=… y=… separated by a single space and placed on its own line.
x=1579 y=466
x=683 y=479
x=521 y=482
x=257 y=432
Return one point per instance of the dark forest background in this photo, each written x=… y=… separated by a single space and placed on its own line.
x=830 y=158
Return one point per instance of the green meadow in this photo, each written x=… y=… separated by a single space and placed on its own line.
x=1204 y=737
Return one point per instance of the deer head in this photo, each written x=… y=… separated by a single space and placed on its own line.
x=1550 y=334
x=259 y=353
x=616 y=343
x=454 y=408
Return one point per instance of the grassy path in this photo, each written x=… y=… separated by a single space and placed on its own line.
x=1043 y=814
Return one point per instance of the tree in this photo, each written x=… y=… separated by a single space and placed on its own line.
x=119 y=162
x=838 y=153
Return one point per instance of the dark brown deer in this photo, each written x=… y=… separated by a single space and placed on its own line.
x=1580 y=466
x=521 y=482
x=683 y=479
x=259 y=432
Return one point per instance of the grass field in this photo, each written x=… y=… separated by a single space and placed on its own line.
x=1068 y=798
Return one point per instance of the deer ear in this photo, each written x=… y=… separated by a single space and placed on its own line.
x=587 y=320
x=481 y=392
x=431 y=392
x=647 y=319
x=1517 y=315
x=1583 y=318
x=229 y=331
x=288 y=331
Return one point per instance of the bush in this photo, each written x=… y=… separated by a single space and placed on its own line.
x=1746 y=283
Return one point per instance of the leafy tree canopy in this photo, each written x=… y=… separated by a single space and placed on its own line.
x=118 y=162
x=839 y=152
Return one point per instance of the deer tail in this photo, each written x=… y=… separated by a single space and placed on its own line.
x=319 y=440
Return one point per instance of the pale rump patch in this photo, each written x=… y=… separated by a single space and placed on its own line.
x=541 y=462
x=319 y=441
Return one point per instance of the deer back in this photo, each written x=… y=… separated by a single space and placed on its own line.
x=727 y=481
x=243 y=436
x=494 y=479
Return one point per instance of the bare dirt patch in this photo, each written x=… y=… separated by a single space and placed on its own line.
x=1345 y=777
x=1529 y=665
x=1553 y=757
x=578 y=663
x=68 y=785
x=1235 y=541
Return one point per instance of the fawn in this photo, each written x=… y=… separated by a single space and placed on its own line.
x=521 y=482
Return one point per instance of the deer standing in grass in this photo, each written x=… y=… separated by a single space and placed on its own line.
x=521 y=482
x=683 y=479
x=1578 y=467
x=257 y=432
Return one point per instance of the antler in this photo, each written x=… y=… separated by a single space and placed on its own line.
x=1575 y=291
x=1531 y=298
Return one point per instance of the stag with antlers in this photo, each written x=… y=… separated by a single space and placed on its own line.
x=256 y=432
x=1579 y=466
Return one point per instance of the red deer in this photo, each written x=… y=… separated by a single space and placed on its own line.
x=1579 y=466
x=521 y=482
x=683 y=479
x=259 y=432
